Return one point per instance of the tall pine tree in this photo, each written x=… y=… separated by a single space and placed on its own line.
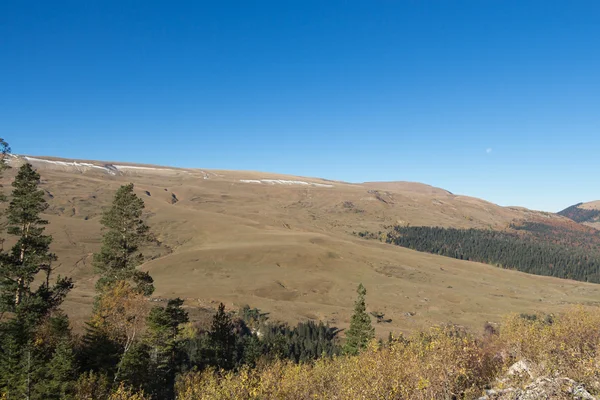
x=222 y=339
x=26 y=348
x=126 y=231
x=30 y=255
x=361 y=331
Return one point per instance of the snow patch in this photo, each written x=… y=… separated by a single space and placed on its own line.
x=205 y=175
x=283 y=182
x=143 y=168
x=106 y=168
x=72 y=164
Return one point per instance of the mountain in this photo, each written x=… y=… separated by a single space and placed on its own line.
x=584 y=213
x=286 y=244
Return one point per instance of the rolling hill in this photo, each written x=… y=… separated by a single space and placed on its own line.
x=584 y=213
x=285 y=244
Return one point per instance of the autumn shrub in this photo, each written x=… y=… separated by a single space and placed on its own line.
x=92 y=386
x=567 y=344
x=443 y=363
x=122 y=392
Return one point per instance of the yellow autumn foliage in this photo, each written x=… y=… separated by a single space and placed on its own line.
x=567 y=344
x=125 y=393
x=121 y=313
x=442 y=363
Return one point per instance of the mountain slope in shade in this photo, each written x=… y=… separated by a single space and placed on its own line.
x=584 y=213
x=285 y=244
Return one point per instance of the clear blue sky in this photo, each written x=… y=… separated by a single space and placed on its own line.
x=494 y=99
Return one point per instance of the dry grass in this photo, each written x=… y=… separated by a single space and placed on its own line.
x=289 y=250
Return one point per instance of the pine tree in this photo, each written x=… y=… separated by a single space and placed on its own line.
x=30 y=255
x=58 y=374
x=12 y=354
x=31 y=252
x=26 y=347
x=126 y=231
x=99 y=352
x=223 y=339
x=163 y=326
x=134 y=368
x=361 y=331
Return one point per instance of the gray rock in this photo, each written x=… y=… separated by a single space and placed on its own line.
x=543 y=387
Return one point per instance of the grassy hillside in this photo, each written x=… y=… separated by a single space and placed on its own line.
x=284 y=244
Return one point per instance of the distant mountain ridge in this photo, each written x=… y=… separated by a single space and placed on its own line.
x=584 y=213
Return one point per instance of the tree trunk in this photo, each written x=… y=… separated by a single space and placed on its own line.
x=21 y=259
x=19 y=290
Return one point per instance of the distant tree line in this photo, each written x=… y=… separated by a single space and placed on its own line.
x=570 y=235
x=578 y=214
x=540 y=253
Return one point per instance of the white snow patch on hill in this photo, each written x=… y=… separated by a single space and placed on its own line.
x=110 y=169
x=283 y=182
x=73 y=164
x=142 y=168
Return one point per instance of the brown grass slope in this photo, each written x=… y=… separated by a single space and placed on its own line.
x=287 y=247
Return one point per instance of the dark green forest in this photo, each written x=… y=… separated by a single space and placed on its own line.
x=533 y=248
x=579 y=214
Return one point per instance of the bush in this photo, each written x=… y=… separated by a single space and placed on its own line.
x=443 y=363
x=567 y=344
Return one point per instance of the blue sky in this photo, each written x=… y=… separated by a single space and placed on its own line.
x=494 y=99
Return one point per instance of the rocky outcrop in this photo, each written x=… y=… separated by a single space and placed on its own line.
x=519 y=384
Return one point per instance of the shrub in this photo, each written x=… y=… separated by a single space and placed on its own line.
x=567 y=344
x=442 y=363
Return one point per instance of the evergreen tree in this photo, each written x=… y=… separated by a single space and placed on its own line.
x=59 y=374
x=134 y=368
x=163 y=325
x=30 y=255
x=251 y=349
x=361 y=331
x=12 y=355
x=126 y=231
x=98 y=351
x=37 y=363
x=223 y=339
x=29 y=338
